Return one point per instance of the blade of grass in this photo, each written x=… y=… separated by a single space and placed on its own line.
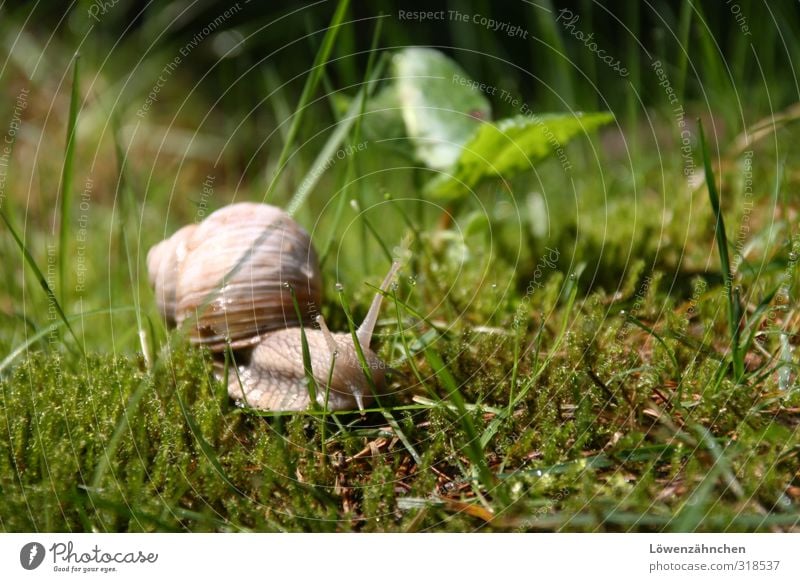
x=734 y=306
x=310 y=380
x=110 y=451
x=23 y=347
x=42 y=281
x=641 y=325
x=205 y=446
x=558 y=67
x=126 y=210
x=498 y=421
x=372 y=230
x=329 y=149
x=473 y=446
x=351 y=170
x=66 y=180
x=280 y=105
x=310 y=86
x=684 y=27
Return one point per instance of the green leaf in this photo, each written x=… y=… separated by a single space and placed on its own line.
x=512 y=146
x=383 y=118
x=441 y=107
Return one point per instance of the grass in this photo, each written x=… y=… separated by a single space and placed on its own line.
x=650 y=384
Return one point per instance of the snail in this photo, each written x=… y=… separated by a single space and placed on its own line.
x=229 y=282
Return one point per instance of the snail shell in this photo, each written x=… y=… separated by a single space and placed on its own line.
x=232 y=275
x=230 y=279
x=162 y=267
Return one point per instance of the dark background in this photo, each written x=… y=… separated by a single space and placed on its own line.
x=720 y=56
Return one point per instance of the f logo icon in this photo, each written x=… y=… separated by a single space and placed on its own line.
x=31 y=555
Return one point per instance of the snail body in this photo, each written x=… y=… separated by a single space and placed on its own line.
x=276 y=379
x=228 y=282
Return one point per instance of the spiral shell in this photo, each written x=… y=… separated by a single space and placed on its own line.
x=234 y=274
x=162 y=267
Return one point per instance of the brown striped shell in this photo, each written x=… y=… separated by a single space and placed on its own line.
x=233 y=283
x=162 y=267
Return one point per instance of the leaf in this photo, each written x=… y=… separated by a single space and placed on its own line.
x=383 y=117
x=512 y=146
x=441 y=107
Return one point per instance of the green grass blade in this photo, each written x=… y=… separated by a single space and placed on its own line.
x=123 y=424
x=126 y=210
x=473 y=446
x=734 y=308
x=66 y=181
x=498 y=421
x=641 y=325
x=329 y=149
x=361 y=98
x=684 y=27
x=310 y=380
x=323 y=55
x=23 y=347
x=205 y=446
x=373 y=231
x=42 y=281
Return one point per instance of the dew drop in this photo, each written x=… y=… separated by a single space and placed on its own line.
x=412 y=281
x=339 y=287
